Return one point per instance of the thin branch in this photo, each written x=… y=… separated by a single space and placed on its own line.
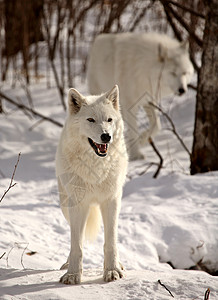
x=140 y=16
x=2 y=255
x=173 y=129
x=12 y=178
x=24 y=107
x=36 y=124
x=165 y=288
x=207 y=294
x=177 y=32
x=18 y=246
x=183 y=23
x=191 y=86
x=51 y=50
x=158 y=154
x=83 y=13
x=188 y=9
x=21 y=259
x=27 y=91
x=172 y=23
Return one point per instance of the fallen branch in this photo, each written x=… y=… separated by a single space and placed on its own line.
x=165 y=288
x=158 y=154
x=173 y=129
x=24 y=107
x=12 y=178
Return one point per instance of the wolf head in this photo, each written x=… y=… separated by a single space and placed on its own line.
x=93 y=120
x=177 y=67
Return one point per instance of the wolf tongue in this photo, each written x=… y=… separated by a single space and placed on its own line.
x=102 y=147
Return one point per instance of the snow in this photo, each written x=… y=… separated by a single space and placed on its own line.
x=172 y=218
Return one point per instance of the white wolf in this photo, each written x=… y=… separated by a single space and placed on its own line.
x=91 y=165
x=146 y=67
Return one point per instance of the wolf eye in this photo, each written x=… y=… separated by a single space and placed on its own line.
x=91 y=120
x=109 y=120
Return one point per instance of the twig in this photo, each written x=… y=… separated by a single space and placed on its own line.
x=21 y=259
x=24 y=111
x=27 y=91
x=51 y=49
x=24 y=107
x=188 y=9
x=207 y=294
x=140 y=16
x=177 y=32
x=173 y=129
x=18 y=246
x=165 y=288
x=172 y=23
x=2 y=255
x=148 y=167
x=158 y=154
x=12 y=178
x=191 y=86
x=183 y=23
x=7 y=258
x=36 y=124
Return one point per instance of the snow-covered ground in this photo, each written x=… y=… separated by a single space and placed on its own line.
x=173 y=218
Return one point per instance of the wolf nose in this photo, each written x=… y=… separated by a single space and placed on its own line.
x=105 y=137
x=181 y=91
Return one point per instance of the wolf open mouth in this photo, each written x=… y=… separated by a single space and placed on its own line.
x=100 y=149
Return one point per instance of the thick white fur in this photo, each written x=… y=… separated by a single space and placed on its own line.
x=146 y=67
x=89 y=184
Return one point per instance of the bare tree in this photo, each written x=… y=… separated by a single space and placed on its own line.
x=205 y=145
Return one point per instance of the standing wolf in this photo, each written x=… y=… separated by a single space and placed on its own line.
x=91 y=165
x=146 y=67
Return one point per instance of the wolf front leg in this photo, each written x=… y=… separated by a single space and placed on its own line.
x=112 y=267
x=77 y=215
x=154 y=123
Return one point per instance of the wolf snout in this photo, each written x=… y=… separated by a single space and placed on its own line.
x=105 y=137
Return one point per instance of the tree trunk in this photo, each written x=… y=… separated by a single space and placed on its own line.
x=22 y=26
x=205 y=146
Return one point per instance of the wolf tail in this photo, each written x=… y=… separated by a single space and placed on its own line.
x=93 y=223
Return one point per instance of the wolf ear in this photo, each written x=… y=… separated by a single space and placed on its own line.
x=162 y=53
x=113 y=96
x=184 y=45
x=75 y=101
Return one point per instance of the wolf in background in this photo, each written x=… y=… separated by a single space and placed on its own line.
x=91 y=165
x=147 y=67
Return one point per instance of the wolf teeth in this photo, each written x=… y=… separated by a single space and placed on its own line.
x=100 y=149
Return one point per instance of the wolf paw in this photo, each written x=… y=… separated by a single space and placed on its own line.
x=112 y=275
x=68 y=278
